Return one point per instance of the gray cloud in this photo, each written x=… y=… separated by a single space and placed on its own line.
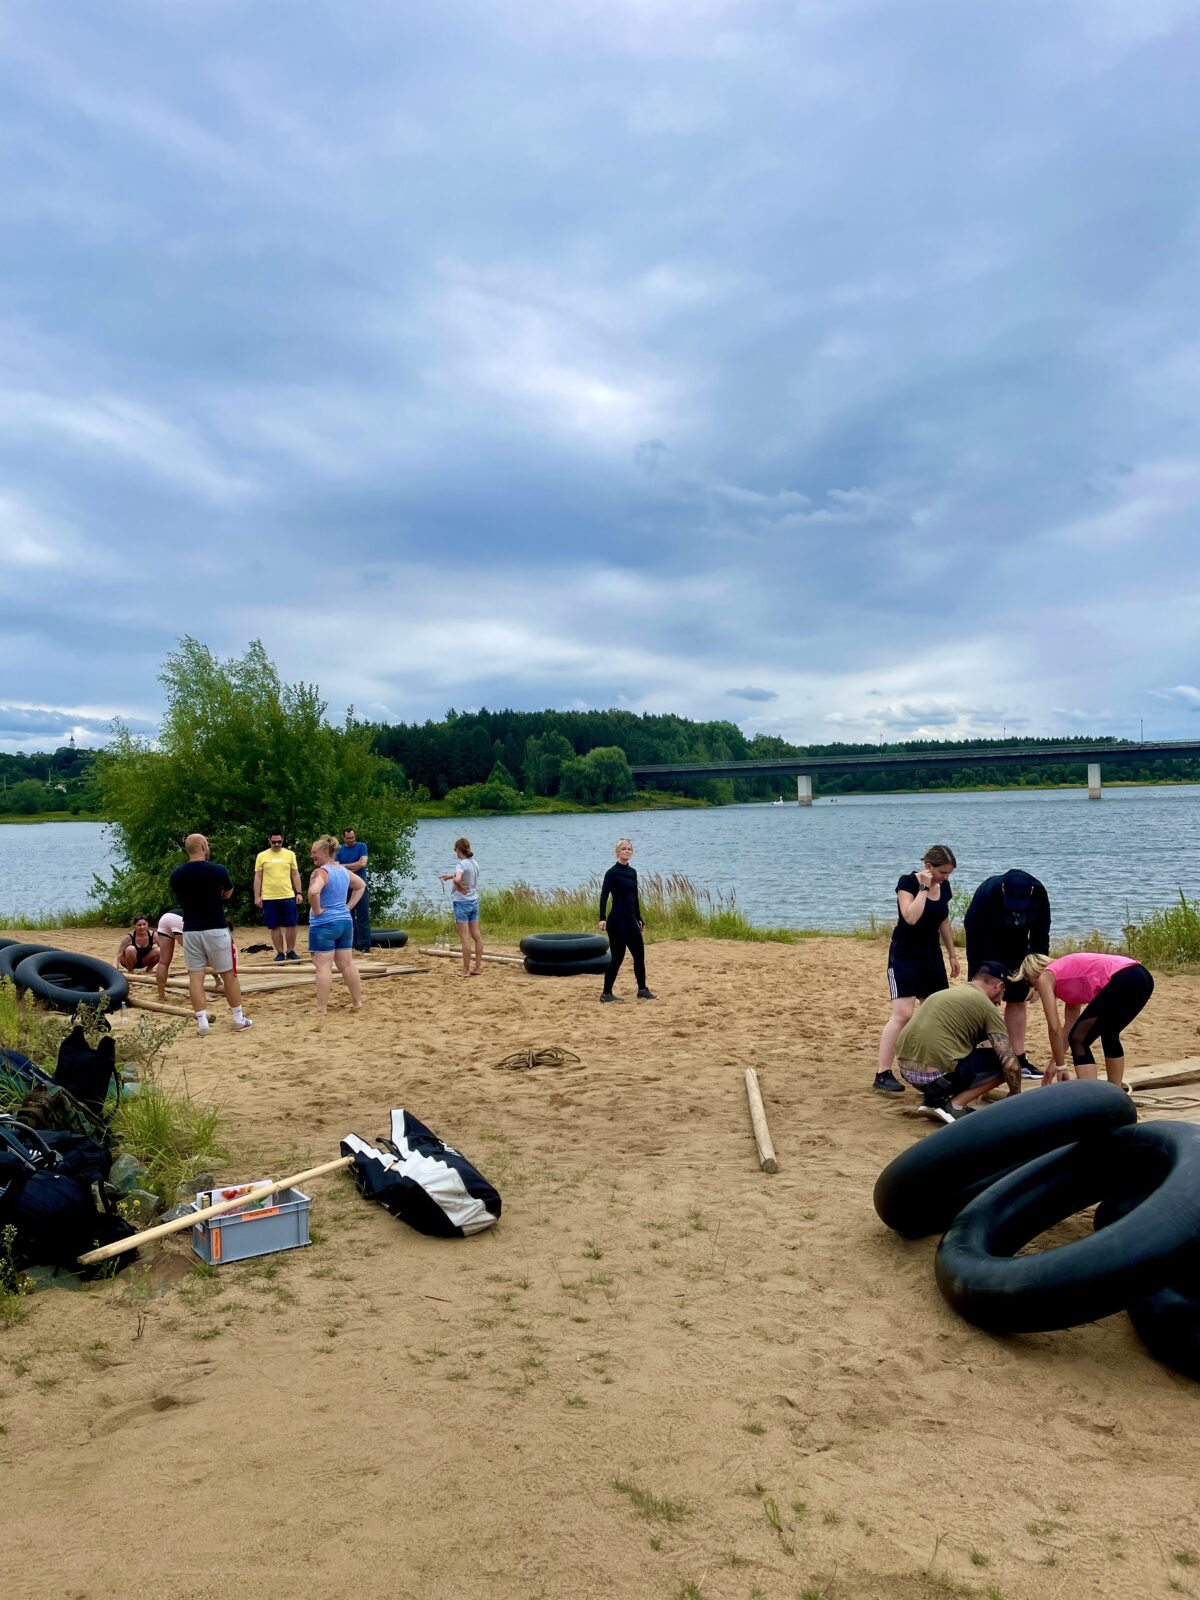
x=321 y=324
x=752 y=694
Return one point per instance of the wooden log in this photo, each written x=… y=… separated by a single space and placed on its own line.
x=456 y=955
x=143 y=1003
x=241 y=1202
x=758 y=1121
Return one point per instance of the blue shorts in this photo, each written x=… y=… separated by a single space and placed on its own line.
x=327 y=936
x=280 y=913
x=466 y=910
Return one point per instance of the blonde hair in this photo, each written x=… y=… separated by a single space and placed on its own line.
x=464 y=845
x=327 y=843
x=620 y=842
x=1030 y=969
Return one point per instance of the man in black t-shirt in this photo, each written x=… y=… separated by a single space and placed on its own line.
x=1007 y=920
x=201 y=888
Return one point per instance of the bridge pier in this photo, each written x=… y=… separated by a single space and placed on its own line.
x=1094 y=790
x=803 y=789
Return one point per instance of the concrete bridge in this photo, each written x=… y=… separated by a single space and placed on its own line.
x=803 y=768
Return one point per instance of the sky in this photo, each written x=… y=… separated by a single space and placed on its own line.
x=831 y=367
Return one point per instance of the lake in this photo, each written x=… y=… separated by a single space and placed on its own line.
x=829 y=866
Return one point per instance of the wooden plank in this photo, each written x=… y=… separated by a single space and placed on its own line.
x=141 y=1003
x=456 y=955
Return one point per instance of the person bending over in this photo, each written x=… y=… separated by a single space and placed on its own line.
x=956 y=1048
x=915 y=969
x=1007 y=920
x=139 y=950
x=1101 y=995
x=623 y=923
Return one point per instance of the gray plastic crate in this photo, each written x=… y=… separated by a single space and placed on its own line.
x=280 y=1225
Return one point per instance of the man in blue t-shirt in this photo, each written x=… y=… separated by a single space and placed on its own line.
x=353 y=856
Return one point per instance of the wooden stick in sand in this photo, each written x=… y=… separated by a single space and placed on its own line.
x=139 y=1002
x=758 y=1120
x=241 y=1202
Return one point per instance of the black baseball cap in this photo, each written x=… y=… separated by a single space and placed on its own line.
x=1017 y=889
x=992 y=969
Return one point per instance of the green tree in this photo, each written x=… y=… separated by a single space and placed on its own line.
x=29 y=797
x=241 y=752
x=601 y=775
x=501 y=775
x=544 y=759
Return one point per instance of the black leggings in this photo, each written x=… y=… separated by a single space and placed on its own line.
x=619 y=940
x=1114 y=1008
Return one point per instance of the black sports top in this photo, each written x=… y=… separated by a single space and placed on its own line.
x=918 y=941
x=620 y=881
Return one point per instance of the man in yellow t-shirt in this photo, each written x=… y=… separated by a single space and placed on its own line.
x=277 y=891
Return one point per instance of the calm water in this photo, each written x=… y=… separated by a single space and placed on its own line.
x=831 y=866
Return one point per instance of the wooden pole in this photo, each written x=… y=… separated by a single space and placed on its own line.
x=139 y=1002
x=453 y=955
x=758 y=1120
x=241 y=1202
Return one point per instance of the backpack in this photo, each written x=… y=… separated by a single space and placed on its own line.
x=73 y=1099
x=46 y=1196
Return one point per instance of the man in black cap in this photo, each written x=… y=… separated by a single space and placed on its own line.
x=1007 y=920
x=956 y=1047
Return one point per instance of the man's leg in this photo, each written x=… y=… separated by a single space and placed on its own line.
x=219 y=946
x=271 y=918
x=361 y=916
x=289 y=936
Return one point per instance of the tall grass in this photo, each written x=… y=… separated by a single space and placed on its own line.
x=171 y=1135
x=1167 y=939
x=672 y=905
x=47 y=921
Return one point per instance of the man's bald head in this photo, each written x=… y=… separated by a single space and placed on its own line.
x=196 y=845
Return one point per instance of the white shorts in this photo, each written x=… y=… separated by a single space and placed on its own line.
x=212 y=948
x=170 y=925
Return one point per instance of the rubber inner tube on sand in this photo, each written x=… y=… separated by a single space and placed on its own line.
x=66 y=980
x=980 y=1275
x=547 y=947
x=1167 y=1323
x=14 y=952
x=927 y=1185
x=594 y=965
x=389 y=938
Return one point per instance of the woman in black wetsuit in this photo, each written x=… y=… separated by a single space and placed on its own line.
x=915 y=969
x=624 y=923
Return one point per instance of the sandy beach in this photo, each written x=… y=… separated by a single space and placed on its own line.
x=664 y=1373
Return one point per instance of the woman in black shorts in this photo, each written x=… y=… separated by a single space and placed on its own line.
x=915 y=969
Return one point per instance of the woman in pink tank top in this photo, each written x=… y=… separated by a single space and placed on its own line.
x=1101 y=995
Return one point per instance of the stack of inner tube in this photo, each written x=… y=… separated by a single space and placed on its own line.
x=565 y=955
x=999 y=1178
x=63 y=979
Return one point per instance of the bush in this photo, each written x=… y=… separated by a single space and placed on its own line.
x=601 y=775
x=239 y=753
x=489 y=796
x=1167 y=939
x=28 y=798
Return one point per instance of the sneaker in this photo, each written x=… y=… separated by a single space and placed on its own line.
x=888 y=1083
x=202 y=1027
x=942 y=1110
x=646 y=994
x=1028 y=1070
x=240 y=1027
x=292 y=956
x=606 y=998
x=280 y=957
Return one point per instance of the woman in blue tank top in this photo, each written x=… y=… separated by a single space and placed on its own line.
x=332 y=893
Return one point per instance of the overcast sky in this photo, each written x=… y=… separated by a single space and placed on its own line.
x=830 y=366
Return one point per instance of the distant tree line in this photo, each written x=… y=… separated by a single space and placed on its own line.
x=63 y=780
x=575 y=754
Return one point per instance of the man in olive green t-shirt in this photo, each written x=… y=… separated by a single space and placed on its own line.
x=956 y=1047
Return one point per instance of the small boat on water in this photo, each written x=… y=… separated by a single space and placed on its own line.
x=778 y=802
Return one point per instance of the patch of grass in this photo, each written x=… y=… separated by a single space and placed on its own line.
x=651 y=1506
x=978 y=1559
x=1168 y=939
x=14 y=1285
x=690 y=1592
x=575 y=1401
x=171 y=1135
x=756 y=1428
x=831 y=1519
x=1185 y=1558
x=593 y=1251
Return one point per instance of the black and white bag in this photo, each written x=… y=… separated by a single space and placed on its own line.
x=423 y=1181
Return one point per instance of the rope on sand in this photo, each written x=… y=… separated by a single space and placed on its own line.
x=549 y=1056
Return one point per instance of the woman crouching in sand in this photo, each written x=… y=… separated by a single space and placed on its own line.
x=332 y=894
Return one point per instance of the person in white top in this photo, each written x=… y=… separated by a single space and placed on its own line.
x=464 y=897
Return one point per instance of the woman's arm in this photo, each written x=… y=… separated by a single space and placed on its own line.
x=315 y=884
x=605 y=894
x=637 y=902
x=1048 y=995
x=355 y=892
x=951 y=951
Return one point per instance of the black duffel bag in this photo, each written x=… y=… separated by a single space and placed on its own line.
x=46 y=1197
